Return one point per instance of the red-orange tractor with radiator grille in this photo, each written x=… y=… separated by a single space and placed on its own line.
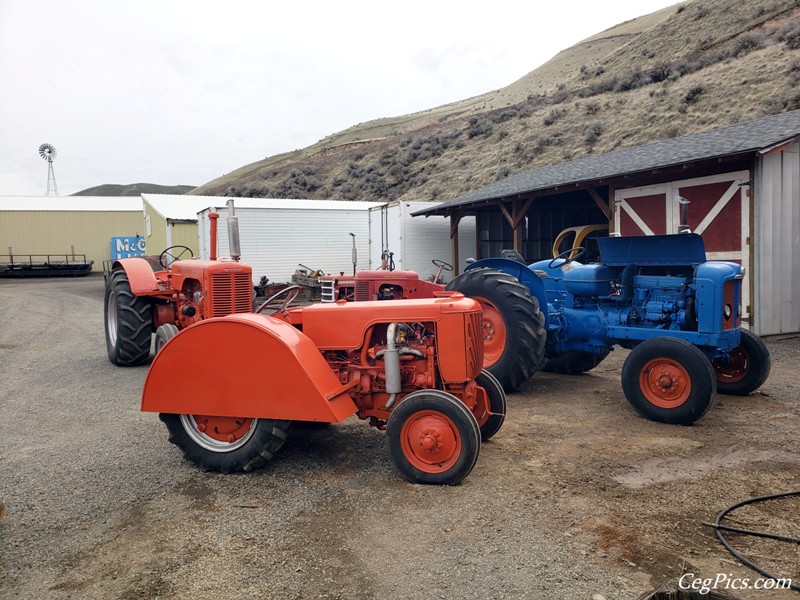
x=140 y=301
x=413 y=368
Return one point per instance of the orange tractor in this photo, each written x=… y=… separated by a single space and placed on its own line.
x=140 y=301
x=413 y=368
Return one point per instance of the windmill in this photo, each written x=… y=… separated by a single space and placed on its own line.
x=48 y=152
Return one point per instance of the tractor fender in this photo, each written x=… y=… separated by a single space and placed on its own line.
x=140 y=275
x=523 y=274
x=245 y=365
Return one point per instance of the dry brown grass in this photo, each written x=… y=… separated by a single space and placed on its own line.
x=721 y=62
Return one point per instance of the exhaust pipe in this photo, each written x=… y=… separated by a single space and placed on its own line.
x=391 y=361
x=354 y=253
x=684 y=204
x=233 y=232
x=212 y=251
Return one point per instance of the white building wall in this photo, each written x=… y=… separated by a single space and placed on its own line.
x=274 y=241
x=418 y=240
x=777 y=242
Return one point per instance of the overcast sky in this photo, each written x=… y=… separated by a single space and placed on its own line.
x=181 y=92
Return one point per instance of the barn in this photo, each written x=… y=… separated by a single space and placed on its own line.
x=67 y=226
x=742 y=184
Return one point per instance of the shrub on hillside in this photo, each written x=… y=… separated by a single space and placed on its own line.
x=553 y=116
x=790 y=35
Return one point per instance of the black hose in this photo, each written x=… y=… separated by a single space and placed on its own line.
x=719 y=528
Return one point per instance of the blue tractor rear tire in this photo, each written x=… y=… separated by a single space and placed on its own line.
x=515 y=319
x=573 y=362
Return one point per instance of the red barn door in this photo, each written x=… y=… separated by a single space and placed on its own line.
x=719 y=211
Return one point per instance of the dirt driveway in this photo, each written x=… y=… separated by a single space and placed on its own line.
x=576 y=497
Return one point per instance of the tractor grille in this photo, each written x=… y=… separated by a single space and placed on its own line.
x=474 y=344
x=362 y=291
x=328 y=293
x=231 y=293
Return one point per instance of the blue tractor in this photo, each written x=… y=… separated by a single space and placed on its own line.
x=657 y=295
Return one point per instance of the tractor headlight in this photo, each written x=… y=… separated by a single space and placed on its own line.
x=728 y=311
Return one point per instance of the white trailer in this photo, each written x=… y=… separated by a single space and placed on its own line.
x=416 y=241
x=277 y=235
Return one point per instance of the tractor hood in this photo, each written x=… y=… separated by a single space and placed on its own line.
x=679 y=249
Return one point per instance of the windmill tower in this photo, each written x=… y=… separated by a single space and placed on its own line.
x=48 y=152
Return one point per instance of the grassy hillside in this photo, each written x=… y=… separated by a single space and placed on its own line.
x=687 y=68
x=134 y=189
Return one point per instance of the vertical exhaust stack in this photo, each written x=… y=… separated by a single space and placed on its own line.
x=212 y=250
x=233 y=232
x=684 y=206
x=354 y=253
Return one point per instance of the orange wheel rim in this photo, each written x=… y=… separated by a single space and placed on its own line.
x=665 y=383
x=733 y=370
x=494 y=333
x=430 y=441
x=223 y=429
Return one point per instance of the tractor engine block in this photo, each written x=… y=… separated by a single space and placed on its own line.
x=658 y=300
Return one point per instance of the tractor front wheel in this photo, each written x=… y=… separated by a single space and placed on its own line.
x=668 y=380
x=746 y=370
x=226 y=444
x=497 y=404
x=163 y=334
x=513 y=325
x=128 y=322
x=433 y=438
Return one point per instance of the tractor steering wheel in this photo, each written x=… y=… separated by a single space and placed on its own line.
x=170 y=253
x=291 y=293
x=580 y=251
x=442 y=266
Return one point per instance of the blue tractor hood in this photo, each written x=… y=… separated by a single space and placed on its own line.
x=678 y=249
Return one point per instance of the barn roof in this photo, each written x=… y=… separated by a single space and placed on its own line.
x=71 y=203
x=750 y=137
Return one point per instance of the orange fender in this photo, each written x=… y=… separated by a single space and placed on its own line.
x=245 y=365
x=140 y=275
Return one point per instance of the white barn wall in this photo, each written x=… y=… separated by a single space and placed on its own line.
x=777 y=242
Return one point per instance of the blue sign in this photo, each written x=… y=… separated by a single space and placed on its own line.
x=126 y=247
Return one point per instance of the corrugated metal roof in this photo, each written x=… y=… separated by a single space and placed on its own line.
x=185 y=208
x=744 y=138
x=179 y=207
x=72 y=203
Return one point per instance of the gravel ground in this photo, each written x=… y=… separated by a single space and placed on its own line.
x=576 y=497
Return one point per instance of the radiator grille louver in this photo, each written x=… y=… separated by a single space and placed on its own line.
x=474 y=344
x=362 y=291
x=231 y=293
x=328 y=293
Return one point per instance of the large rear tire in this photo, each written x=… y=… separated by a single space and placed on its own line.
x=433 y=438
x=747 y=369
x=669 y=380
x=514 y=331
x=128 y=322
x=226 y=444
x=573 y=362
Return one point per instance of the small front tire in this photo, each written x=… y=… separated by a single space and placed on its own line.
x=747 y=369
x=433 y=438
x=497 y=405
x=669 y=380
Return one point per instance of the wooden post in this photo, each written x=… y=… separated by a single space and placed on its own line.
x=454 y=219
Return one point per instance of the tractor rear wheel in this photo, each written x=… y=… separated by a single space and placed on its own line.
x=433 y=438
x=669 y=380
x=573 y=362
x=497 y=404
x=226 y=444
x=514 y=332
x=747 y=369
x=128 y=322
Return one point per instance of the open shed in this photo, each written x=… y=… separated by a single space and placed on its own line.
x=742 y=182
